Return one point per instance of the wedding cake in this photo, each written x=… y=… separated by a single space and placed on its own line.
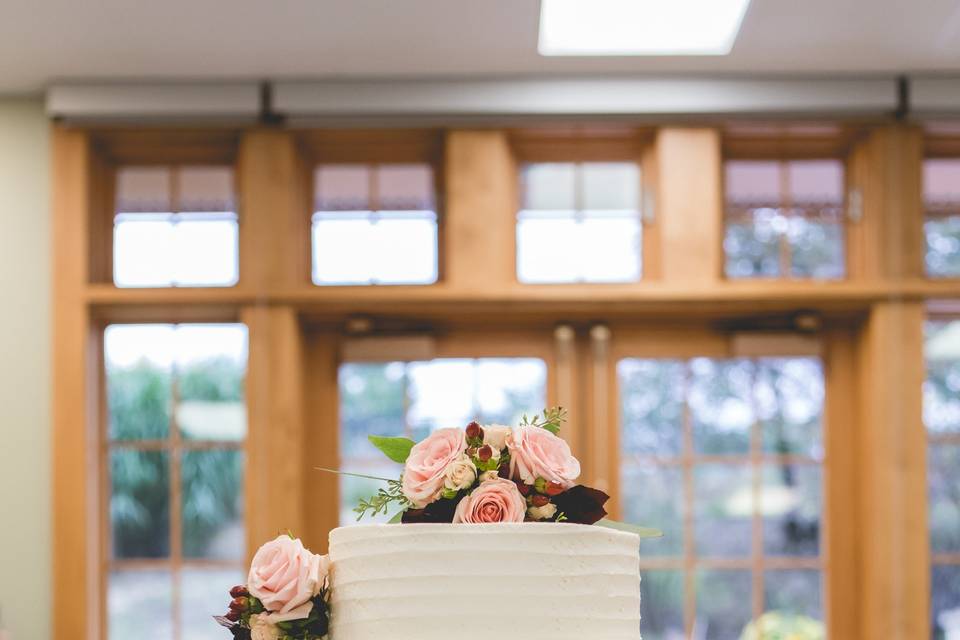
x=529 y=581
x=492 y=538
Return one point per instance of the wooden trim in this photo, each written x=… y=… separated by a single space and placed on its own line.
x=322 y=500
x=164 y=145
x=76 y=536
x=275 y=479
x=894 y=558
x=371 y=145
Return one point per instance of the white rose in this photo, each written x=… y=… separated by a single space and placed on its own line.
x=545 y=512
x=486 y=476
x=263 y=629
x=460 y=474
x=495 y=435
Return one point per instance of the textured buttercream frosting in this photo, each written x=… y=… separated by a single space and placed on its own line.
x=531 y=581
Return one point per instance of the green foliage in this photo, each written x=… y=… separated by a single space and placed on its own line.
x=551 y=419
x=397 y=449
x=139 y=399
x=380 y=502
x=778 y=625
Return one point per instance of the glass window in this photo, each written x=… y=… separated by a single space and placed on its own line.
x=784 y=219
x=413 y=398
x=579 y=222
x=175 y=227
x=726 y=457
x=941 y=198
x=941 y=412
x=374 y=224
x=177 y=422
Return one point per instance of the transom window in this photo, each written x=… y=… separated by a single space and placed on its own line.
x=175 y=227
x=726 y=457
x=375 y=224
x=784 y=219
x=941 y=413
x=413 y=398
x=579 y=222
x=173 y=447
x=941 y=199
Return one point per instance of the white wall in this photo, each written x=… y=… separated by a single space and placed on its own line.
x=24 y=369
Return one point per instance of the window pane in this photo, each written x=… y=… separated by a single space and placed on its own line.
x=549 y=186
x=203 y=594
x=213 y=504
x=405 y=187
x=752 y=249
x=815 y=183
x=721 y=406
x=652 y=406
x=508 y=388
x=789 y=397
x=611 y=185
x=751 y=183
x=372 y=400
x=653 y=496
x=817 y=249
x=941 y=391
x=793 y=601
x=547 y=248
x=140 y=605
x=661 y=597
x=142 y=251
x=343 y=187
x=943 y=476
x=386 y=248
x=204 y=251
x=943 y=246
x=139 y=377
x=211 y=365
x=723 y=604
x=206 y=189
x=723 y=510
x=143 y=189
x=609 y=248
x=945 y=596
x=790 y=503
x=139 y=504
x=442 y=394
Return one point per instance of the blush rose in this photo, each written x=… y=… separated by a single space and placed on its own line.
x=537 y=453
x=425 y=470
x=285 y=576
x=493 y=501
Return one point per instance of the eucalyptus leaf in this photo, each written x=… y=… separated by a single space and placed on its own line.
x=397 y=449
x=643 y=532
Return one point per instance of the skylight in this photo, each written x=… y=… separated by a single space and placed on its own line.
x=639 y=27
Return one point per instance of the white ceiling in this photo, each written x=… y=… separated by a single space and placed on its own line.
x=47 y=40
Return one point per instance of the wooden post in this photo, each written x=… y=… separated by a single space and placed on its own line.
x=322 y=493
x=76 y=537
x=688 y=229
x=481 y=212
x=894 y=558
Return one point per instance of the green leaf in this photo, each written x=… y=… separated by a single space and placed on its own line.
x=397 y=449
x=551 y=427
x=643 y=532
x=398 y=518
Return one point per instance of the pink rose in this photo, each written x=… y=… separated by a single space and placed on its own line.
x=493 y=501
x=284 y=575
x=537 y=453
x=427 y=463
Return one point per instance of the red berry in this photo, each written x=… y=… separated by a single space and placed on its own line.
x=474 y=432
x=554 y=489
x=239 y=604
x=239 y=591
x=523 y=488
x=539 y=500
x=232 y=615
x=485 y=453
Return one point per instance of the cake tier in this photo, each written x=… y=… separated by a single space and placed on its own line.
x=531 y=581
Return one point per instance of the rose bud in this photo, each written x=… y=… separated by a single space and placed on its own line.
x=523 y=488
x=474 y=432
x=485 y=453
x=239 y=604
x=232 y=615
x=554 y=488
x=539 y=501
x=239 y=591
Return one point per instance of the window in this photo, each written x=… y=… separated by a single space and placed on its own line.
x=784 y=219
x=175 y=227
x=941 y=196
x=941 y=413
x=413 y=398
x=725 y=456
x=174 y=459
x=375 y=224
x=579 y=222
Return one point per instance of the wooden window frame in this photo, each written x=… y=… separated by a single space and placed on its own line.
x=940 y=143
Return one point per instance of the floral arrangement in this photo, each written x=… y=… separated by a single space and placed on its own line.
x=776 y=625
x=286 y=595
x=485 y=474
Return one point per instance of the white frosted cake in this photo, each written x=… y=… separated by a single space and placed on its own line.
x=510 y=581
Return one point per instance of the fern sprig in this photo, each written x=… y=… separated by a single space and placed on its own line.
x=380 y=502
x=551 y=419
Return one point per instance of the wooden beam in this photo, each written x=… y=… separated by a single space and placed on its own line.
x=689 y=220
x=76 y=573
x=275 y=186
x=480 y=217
x=894 y=558
x=322 y=490
x=275 y=476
